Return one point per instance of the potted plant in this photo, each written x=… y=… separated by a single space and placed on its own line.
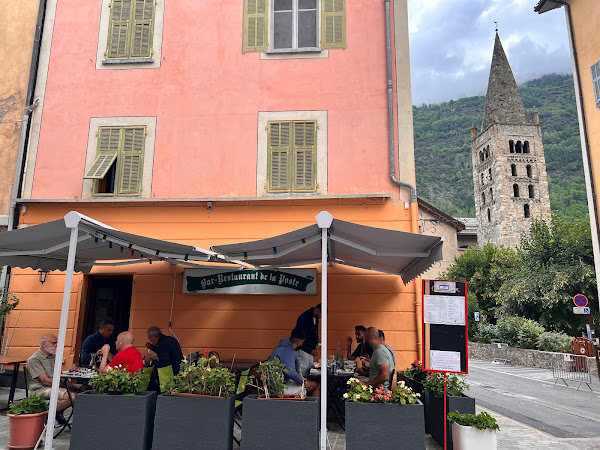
x=456 y=401
x=272 y=410
x=198 y=401
x=114 y=406
x=26 y=421
x=473 y=432
x=380 y=418
x=415 y=376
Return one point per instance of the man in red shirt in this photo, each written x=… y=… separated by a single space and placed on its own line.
x=128 y=357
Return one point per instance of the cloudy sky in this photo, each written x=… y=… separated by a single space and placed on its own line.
x=451 y=44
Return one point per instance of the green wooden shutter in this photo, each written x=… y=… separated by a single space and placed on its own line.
x=142 y=28
x=596 y=82
x=255 y=25
x=132 y=154
x=120 y=16
x=333 y=24
x=279 y=156
x=108 y=148
x=305 y=156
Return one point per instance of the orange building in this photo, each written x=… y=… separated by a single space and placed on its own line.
x=208 y=123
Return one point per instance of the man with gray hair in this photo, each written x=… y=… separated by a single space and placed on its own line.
x=166 y=348
x=40 y=369
x=381 y=365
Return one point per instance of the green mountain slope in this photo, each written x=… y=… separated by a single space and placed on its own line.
x=443 y=149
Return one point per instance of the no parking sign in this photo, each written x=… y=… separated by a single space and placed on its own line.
x=580 y=300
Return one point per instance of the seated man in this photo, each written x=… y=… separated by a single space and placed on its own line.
x=362 y=350
x=382 y=342
x=128 y=357
x=167 y=350
x=380 y=365
x=94 y=342
x=40 y=369
x=285 y=352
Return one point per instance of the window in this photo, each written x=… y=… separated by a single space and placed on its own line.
x=294 y=25
x=489 y=214
x=530 y=189
x=518 y=147
x=526 y=211
x=516 y=190
x=480 y=156
x=130 y=34
x=491 y=195
x=596 y=82
x=117 y=169
x=482 y=179
x=526 y=147
x=483 y=198
x=528 y=171
x=513 y=170
x=511 y=144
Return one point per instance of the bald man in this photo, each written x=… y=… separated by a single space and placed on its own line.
x=381 y=365
x=128 y=357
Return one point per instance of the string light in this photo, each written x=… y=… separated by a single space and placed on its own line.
x=109 y=244
x=121 y=250
x=274 y=250
x=245 y=255
x=186 y=257
x=157 y=253
x=95 y=241
x=103 y=237
x=303 y=243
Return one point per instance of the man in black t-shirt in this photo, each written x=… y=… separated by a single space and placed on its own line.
x=362 y=349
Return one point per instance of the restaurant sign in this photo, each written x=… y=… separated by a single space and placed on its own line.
x=259 y=281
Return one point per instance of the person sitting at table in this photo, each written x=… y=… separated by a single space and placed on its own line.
x=284 y=352
x=362 y=349
x=94 y=342
x=167 y=351
x=382 y=342
x=128 y=357
x=380 y=365
x=308 y=323
x=40 y=370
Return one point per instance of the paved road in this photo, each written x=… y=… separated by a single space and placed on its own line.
x=567 y=417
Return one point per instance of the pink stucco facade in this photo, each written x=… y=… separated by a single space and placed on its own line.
x=206 y=97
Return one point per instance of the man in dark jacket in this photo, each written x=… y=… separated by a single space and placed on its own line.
x=308 y=323
x=94 y=343
x=284 y=352
x=167 y=349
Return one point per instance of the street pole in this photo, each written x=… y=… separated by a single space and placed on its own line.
x=594 y=346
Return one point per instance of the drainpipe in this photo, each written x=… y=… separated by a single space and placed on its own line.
x=388 y=39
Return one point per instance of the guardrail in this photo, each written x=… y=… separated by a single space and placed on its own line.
x=573 y=368
x=500 y=353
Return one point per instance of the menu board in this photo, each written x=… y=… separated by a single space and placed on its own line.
x=444 y=309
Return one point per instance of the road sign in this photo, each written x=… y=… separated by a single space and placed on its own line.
x=476 y=316
x=581 y=309
x=580 y=300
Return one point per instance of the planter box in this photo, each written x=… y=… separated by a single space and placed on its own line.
x=126 y=419
x=418 y=387
x=187 y=421
x=470 y=438
x=464 y=405
x=276 y=424
x=381 y=425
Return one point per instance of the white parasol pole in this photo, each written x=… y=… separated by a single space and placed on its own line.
x=324 y=220
x=71 y=221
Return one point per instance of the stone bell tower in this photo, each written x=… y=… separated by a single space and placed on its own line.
x=509 y=169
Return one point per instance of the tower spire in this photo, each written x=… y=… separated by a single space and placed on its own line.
x=503 y=103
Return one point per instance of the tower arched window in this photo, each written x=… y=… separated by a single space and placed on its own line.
x=489 y=215
x=511 y=144
x=513 y=170
x=487 y=152
x=490 y=174
x=530 y=188
x=516 y=190
x=526 y=212
x=526 y=147
x=528 y=171
x=480 y=156
x=482 y=179
x=483 y=198
x=491 y=195
x=518 y=147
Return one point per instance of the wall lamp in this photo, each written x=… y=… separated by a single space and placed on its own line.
x=43 y=274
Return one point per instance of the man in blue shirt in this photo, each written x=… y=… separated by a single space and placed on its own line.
x=285 y=352
x=94 y=342
x=167 y=349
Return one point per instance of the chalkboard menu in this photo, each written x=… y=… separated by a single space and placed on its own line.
x=445 y=336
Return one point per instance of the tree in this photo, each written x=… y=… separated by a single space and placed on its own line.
x=485 y=270
x=555 y=262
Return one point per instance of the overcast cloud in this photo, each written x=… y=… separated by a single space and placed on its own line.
x=451 y=43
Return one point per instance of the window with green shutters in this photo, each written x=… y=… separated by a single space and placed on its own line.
x=255 y=25
x=333 y=24
x=596 y=82
x=117 y=169
x=130 y=29
x=292 y=156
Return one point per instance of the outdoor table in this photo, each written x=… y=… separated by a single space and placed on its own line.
x=16 y=363
x=84 y=378
x=239 y=365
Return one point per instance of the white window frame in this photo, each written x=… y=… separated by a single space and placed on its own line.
x=87 y=190
x=596 y=82
x=294 y=48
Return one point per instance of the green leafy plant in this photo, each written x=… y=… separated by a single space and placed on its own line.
x=117 y=381
x=29 y=405
x=416 y=372
x=360 y=393
x=487 y=333
x=550 y=341
x=519 y=331
x=206 y=376
x=8 y=302
x=481 y=421
x=272 y=377
x=455 y=384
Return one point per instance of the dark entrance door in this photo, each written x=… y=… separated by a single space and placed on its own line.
x=109 y=298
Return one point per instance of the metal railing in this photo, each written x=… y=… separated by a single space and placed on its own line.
x=500 y=353
x=573 y=368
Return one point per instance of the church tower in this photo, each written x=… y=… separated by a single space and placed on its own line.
x=509 y=169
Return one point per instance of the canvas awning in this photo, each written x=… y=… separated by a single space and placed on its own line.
x=395 y=252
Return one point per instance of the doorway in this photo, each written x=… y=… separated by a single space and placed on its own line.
x=108 y=298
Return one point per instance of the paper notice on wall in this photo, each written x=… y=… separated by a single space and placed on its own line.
x=444 y=361
x=444 y=309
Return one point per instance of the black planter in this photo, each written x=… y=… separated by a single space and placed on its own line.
x=381 y=425
x=276 y=424
x=126 y=420
x=419 y=388
x=464 y=405
x=193 y=422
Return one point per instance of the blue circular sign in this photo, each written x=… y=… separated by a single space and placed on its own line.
x=580 y=300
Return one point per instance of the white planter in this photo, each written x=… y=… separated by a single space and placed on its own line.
x=470 y=438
